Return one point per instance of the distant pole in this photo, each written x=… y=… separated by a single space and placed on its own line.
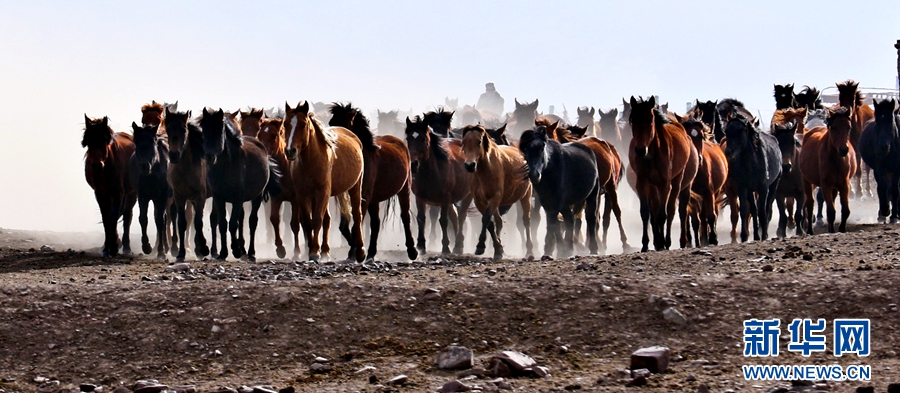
x=897 y=45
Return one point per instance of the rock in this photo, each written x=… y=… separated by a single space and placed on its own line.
x=40 y=379
x=639 y=381
x=178 y=267
x=865 y=389
x=365 y=369
x=516 y=361
x=572 y=387
x=122 y=389
x=399 y=380
x=320 y=359
x=475 y=371
x=641 y=372
x=778 y=389
x=225 y=389
x=699 y=362
x=498 y=368
x=87 y=387
x=821 y=386
x=894 y=388
x=245 y=389
x=655 y=359
x=702 y=388
x=674 y=316
x=454 y=386
x=149 y=386
x=185 y=389
x=541 y=371
x=455 y=358
x=289 y=389
x=48 y=248
x=690 y=378
x=51 y=386
x=373 y=379
x=319 y=368
x=263 y=389
x=620 y=373
x=767 y=268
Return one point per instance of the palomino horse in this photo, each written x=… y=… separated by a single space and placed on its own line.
x=385 y=173
x=149 y=166
x=187 y=177
x=850 y=97
x=271 y=134
x=754 y=171
x=238 y=170
x=879 y=146
x=563 y=175
x=785 y=97
x=829 y=161
x=251 y=121
x=665 y=162
x=106 y=171
x=325 y=162
x=523 y=117
x=787 y=127
x=439 y=179
x=709 y=184
x=498 y=182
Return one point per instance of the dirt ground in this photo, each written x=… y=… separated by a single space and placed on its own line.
x=74 y=317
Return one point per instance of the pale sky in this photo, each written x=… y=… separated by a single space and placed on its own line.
x=59 y=60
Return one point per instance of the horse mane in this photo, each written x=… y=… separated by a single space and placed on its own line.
x=232 y=132
x=660 y=117
x=329 y=137
x=560 y=134
x=360 y=127
x=96 y=138
x=154 y=106
x=858 y=98
x=195 y=140
x=840 y=111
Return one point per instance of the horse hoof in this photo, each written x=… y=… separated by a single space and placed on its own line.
x=280 y=251
x=251 y=259
x=179 y=259
x=162 y=258
x=126 y=252
x=313 y=258
x=146 y=248
x=445 y=251
x=201 y=251
x=498 y=256
x=105 y=254
x=222 y=257
x=412 y=254
x=882 y=219
x=895 y=220
x=479 y=250
x=820 y=224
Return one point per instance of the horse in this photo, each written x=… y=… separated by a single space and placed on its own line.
x=271 y=135
x=707 y=113
x=562 y=175
x=499 y=135
x=238 y=170
x=754 y=163
x=787 y=127
x=186 y=176
x=708 y=187
x=609 y=174
x=608 y=127
x=576 y=131
x=785 y=97
x=523 y=117
x=251 y=121
x=439 y=179
x=148 y=168
x=385 y=173
x=468 y=115
x=586 y=119
x=324 y=162
x=879 y=146
x=828 y=161
x=440 y=122
x=849 y=96
x=106 y=171
x=809 y=98
x=152 y=115
x=498 y=182
x=388 y=123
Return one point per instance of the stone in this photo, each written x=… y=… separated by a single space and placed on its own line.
x=702 y=388
x=475 y=371
x=122 y=389
x=541 y=371
x=690 y=378
x=455 y=358
x=178 y=267
x=320 y=359
x=225 y=389
x=572 y=387
x=289 y=389
x=185 y=389
x=87 y=387
x=498 y=368
x=639 y=381
x=894 y=388
x=48 y=248
x=655 y=359
x=319 y=368
x=641 y=372
x=516 y=361
x=454 y=386
x=149 y=386
x=778 y=389
x=865 y=389
x=263 y=389
x=365 y=369
x=245 y=389
x=399 y=380
x=674 y=316
x=51 y=386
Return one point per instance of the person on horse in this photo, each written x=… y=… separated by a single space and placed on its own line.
x=490 y=100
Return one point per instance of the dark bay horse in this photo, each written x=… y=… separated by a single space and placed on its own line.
x=563 y=175
x=325 y=162
x=828 y=161
x=149 y=167
x=385 y=173
x=754 y=171
x=441 y=122
x=271 y=134
x=499 y=180
x=238 y=170
x=187 y=177
x=785 y=97
x=879 y=146
x=708 y=186
x=850 y=97
x=106 y=171
x=787 y=126
x=665 y=163
x=251 y=121
x=439 y=179
x=809 y=98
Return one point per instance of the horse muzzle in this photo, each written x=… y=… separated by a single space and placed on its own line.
x=211 y=159
x=145 y=169
x=785 y=168
x=291 y=153
x=174 y=156
x=843 y=150
x=470 y=167
x=414 y=166
x=534 y=177
x=640 y=152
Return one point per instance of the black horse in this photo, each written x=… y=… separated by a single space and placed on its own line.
x=754 y=163
x=785 y=97
x=809 y=98
x=562 y=175
x=879 y=146
x=187 y=177
x=791 y=183
x=238 y=170
x=148 y=167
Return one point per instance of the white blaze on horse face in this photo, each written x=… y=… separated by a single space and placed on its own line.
x=293 y=130
x=694 y=132
x=415 y=134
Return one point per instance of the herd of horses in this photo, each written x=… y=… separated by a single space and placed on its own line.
x=716 y=154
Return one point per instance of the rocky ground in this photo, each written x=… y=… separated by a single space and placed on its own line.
x=69 y=318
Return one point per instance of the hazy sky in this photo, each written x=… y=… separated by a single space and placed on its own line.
x=59 y=60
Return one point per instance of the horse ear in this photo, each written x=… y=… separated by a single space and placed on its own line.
x=555 y=125
x=205 y=111
x=756 y=123
x=485 y=141
x=502 y=129
x=652 y=101
x=188 y=114
x=679 y=118
x=408 y=123
x=614 y=112
x=105 y=121
x=153 y=102
x=632 y=101
x=305 y=107
x=87 y=121
x=166 y=109
x=536 y=103
x=517 y=102
x=592 y=112
x=135 y=127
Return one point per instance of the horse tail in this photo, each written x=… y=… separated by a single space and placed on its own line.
x=721 y=201
x=344 y=203
x=273 y=187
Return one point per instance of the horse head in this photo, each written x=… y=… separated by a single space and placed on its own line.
x=271 y=134
x=785 y=133
x=848 y=93
x=840 y=123
x=152 y=113
x=251 y=121
x=809 y=98
x=498 y=135
x=418 y=140
x=608 y=123
x=644 y=115
x=342 y=115
x=177 y=133
x=476 y=143
x=533 y=145
x=440 y=121
x=585 y=116
x=213 y=125
x=742 y=133
x=97 y=138
x=452 y=104
x=577 y=131
x=885 y=125
x=784 y=96
x=297 y=128
x=145 y=153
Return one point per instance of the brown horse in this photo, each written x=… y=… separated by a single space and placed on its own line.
x=385 y=174
x=152 y=115
x=709 y=185
x=271 y=134
x=187 y=177
x=251 y=121
x=788 y=128
x=665 y=163
x=499 y=181
x=522 y=118
x=850 y=97
x=828 y=161
x=106 y=171
x=439 y=179
x=586 y=120
x=324 y=162
x=388 y=124
x=609 y=174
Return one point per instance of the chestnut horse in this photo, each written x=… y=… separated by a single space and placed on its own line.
x=385 y=173
x=149 y=166
x=609 y=174
x=106 y=171
x=828 y=161
x=187 y=177
x=271 y=134
x=439 y=179
x=850 y=97
x=251 y=121
x=499 y=181
x=325 y=162
x=665 y=163
x=709 y=185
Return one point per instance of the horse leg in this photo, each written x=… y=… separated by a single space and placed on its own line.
x=745 y=213
x=299 y=210
x=143 y=206
x=607 y=216
x=181 y=219
x=764 y=207
x=591 y=210
x=461 y=223
x=235 y=227
x=173 y=218
x=881 y=186
x=810 y=200
x=482 y=236
x=789 y=203
x=274 y=210
x=783 y=212
x=800 y=214
x=820 y=200
x=695 y=220
x=214 y=228
x=845 y=208
x=403 y=198
x=325 y=245
x=645 y=220
x=374 y=216
x=868 y=178
x=578 y=214
x=222 y=223
x=445 y=240
x=552 y=230
x=567 y=248
x=754 y=214
x=525 y=203
x=535 y=213
x=683 y=200
x=126 y=223
x=271 y=232
x=520 y=224
x=254 y=219
x=830 y=211
x=420 y=221
x=433 y=213
x=318 y=213
x=193 y=212
x=667 y=215
x=356 y=213
x=734 y=207
x=612 y=197
x=159 y=214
